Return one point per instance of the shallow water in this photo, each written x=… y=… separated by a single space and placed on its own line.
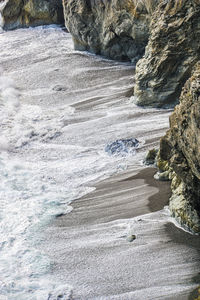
x=59 y=108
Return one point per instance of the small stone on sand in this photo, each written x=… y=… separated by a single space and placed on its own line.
x=131 y=238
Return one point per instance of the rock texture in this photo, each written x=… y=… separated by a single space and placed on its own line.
x=172 y=51
x=24 y=13
x=180 y=154
x=118 y=29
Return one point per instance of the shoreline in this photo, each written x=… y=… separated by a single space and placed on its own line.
x=88 y=248
x=91 y=252
x=108 y=193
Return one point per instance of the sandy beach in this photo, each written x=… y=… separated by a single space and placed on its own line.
x=126 y=195
x=71 y=106
x=92 y=251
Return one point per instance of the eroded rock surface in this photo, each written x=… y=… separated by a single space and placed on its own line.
x=24 y=13
x=180 y=152
x=118 y=29
x=171 y=53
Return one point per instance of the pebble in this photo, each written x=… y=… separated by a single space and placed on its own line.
x=131 y=238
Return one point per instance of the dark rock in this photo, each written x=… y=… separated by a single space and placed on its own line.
x=172 y=51
x=59 y=88
x=122 y=147
x=118 y=29
x=151 y=157
x=183 y=155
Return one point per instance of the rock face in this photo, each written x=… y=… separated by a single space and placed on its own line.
x=118 y=29
x=24 y=13
x=171 y=53
x=180 y=153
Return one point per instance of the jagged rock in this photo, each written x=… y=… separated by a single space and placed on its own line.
x=24 y=13
x=171 y=53
x=180 y=151
x=118 y=29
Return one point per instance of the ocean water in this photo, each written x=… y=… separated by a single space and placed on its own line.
x=59 y=109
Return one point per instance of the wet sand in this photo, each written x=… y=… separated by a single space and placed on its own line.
x=93 y=254
x=126 y=195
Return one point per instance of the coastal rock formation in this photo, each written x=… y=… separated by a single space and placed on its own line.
x=118 y=29
x=171 y=53
x=180 y=154
x=24 y=13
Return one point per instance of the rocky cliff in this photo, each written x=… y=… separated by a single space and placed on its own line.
x=172 y=51
x=180 y=154
x=24 y=13
x=118 y=29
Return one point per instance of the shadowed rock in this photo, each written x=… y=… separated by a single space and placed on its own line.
x=19 y=13
x=180 y=149
x=118 y=29
x=171 y=53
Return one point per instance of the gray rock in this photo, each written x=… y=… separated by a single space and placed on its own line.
x=24 y=13
x=118 y=29
x=183 y=154
x=123 y=146
x=151 y=157
x=171 y=53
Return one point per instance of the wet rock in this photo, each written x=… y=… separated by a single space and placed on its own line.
x=163 y=176
x=122 y=147
x=151 y=157
x=19 y=13
x=172 y=51
x=183 y=154
x=118 y=29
